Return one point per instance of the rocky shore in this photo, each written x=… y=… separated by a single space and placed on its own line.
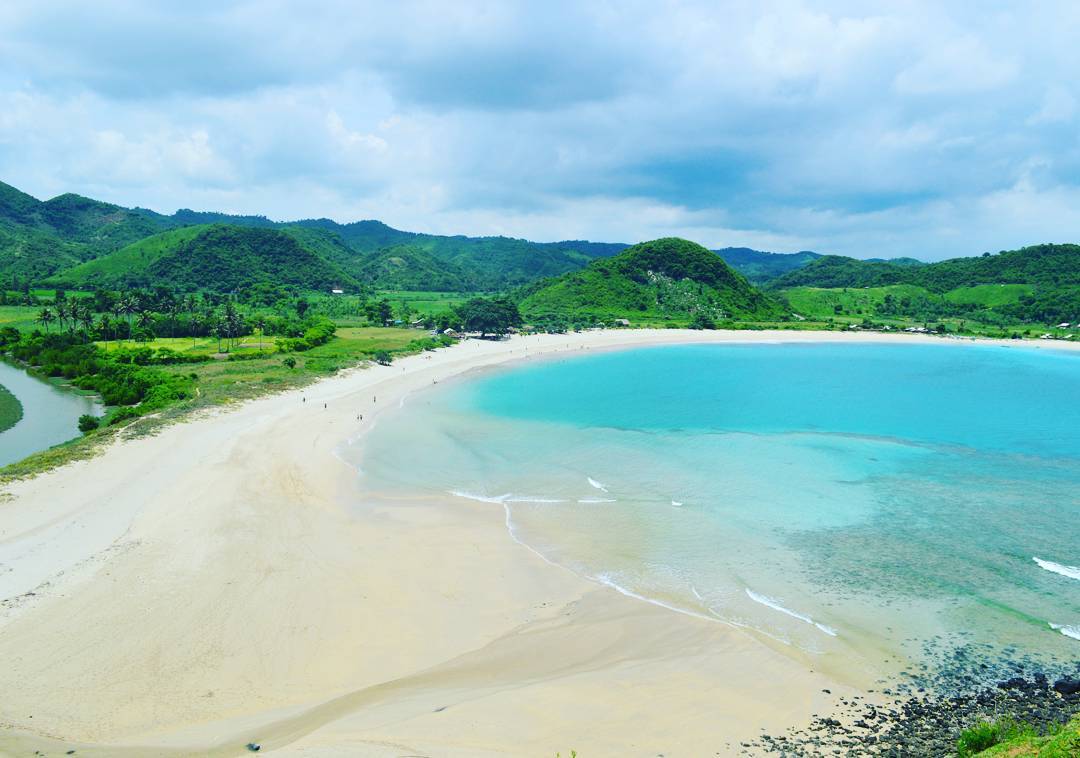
x=915 y=722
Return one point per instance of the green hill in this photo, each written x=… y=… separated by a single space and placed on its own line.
x=1041 y=283
x=760 y=267
x=40 y=238
x=216 y=257
x=664 y=279
x=405 y=267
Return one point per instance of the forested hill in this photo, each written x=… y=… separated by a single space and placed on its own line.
x=42 y=239
x=217 y=257
x=1040 y=265
x=38 y=237
x=651 y=281
x=761 y=267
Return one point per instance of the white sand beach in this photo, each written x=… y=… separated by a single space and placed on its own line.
x=217 y=584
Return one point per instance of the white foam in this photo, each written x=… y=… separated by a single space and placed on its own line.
x=768 y=601
x=1073 y=572
x=1068 y=631
x=595 y=500
x=696 y=593
x=527 y=499
x=480 y=498
x=676 y=503
x=596 y=484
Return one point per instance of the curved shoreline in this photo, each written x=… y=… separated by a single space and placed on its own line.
x=211 y=586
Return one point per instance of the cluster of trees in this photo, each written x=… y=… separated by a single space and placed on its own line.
x=142 y=315
x=488 y=316
x=119 y=378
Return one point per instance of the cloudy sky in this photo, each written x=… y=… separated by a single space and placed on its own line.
x=861 y=128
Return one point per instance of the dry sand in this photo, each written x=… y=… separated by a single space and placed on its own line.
x=220 y=584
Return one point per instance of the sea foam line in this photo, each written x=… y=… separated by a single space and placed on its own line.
x=713 y=615
x=1073 y=572
x=768 y=601
x=595 y=500
x=1068 y=631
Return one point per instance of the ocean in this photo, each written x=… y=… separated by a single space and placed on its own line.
x=867 y=505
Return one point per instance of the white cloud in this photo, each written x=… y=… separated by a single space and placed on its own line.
x=863 y=128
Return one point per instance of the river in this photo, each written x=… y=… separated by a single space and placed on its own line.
x=50 y=414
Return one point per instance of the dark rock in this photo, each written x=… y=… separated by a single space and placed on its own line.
x=1067 y=686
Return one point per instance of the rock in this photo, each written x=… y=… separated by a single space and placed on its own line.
x=1015 y=683
x=1067 y=686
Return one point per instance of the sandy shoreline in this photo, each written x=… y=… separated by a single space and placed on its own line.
x=212 y=586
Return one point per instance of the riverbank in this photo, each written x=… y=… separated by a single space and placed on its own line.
x=213 y=586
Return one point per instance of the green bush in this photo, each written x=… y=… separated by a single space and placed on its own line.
x=984 y=736
x=88 y=423
x=289 y=362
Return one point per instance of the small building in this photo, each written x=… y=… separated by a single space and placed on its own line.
x=621 y=322
x=1064 y=325
x=336 y=291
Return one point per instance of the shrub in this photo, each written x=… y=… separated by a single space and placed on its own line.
x=289 y=362
x=382 y=357
x=122 y=415
x=88 y=423
x=984 y=736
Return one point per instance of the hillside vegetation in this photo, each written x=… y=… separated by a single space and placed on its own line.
x=215 y=257
x=1039 y=284
x=666 y=279
x=38 y=238
x=760 y=267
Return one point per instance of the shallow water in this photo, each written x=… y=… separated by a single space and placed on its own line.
x=841 y=499
x=50 y=414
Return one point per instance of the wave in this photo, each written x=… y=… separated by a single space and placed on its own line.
x=768 y=601
x=480 y=498
x=596 y=484
x=1073 y=572
x=1068 y=631
x=676 y=503
x=595 y=500
x=527 y=499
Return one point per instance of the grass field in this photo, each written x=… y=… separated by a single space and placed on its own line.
x=815 y=302
x=424 y=303
x=989 y=295
x=197 y=345
x=11 y=409
x=22 y=317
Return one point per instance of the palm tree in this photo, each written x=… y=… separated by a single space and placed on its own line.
x=74 y=313
x=145 y=320
x=88 y=320
x=105 y=324
x=45 y=317
x=260 y=324
x=194 y=322
x=61 y=312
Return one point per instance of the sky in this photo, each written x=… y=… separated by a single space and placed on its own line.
x=868 y=129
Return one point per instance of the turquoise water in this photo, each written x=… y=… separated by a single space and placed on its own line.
x=834 y=498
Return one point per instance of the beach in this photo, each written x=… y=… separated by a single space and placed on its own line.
x=219 y=584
